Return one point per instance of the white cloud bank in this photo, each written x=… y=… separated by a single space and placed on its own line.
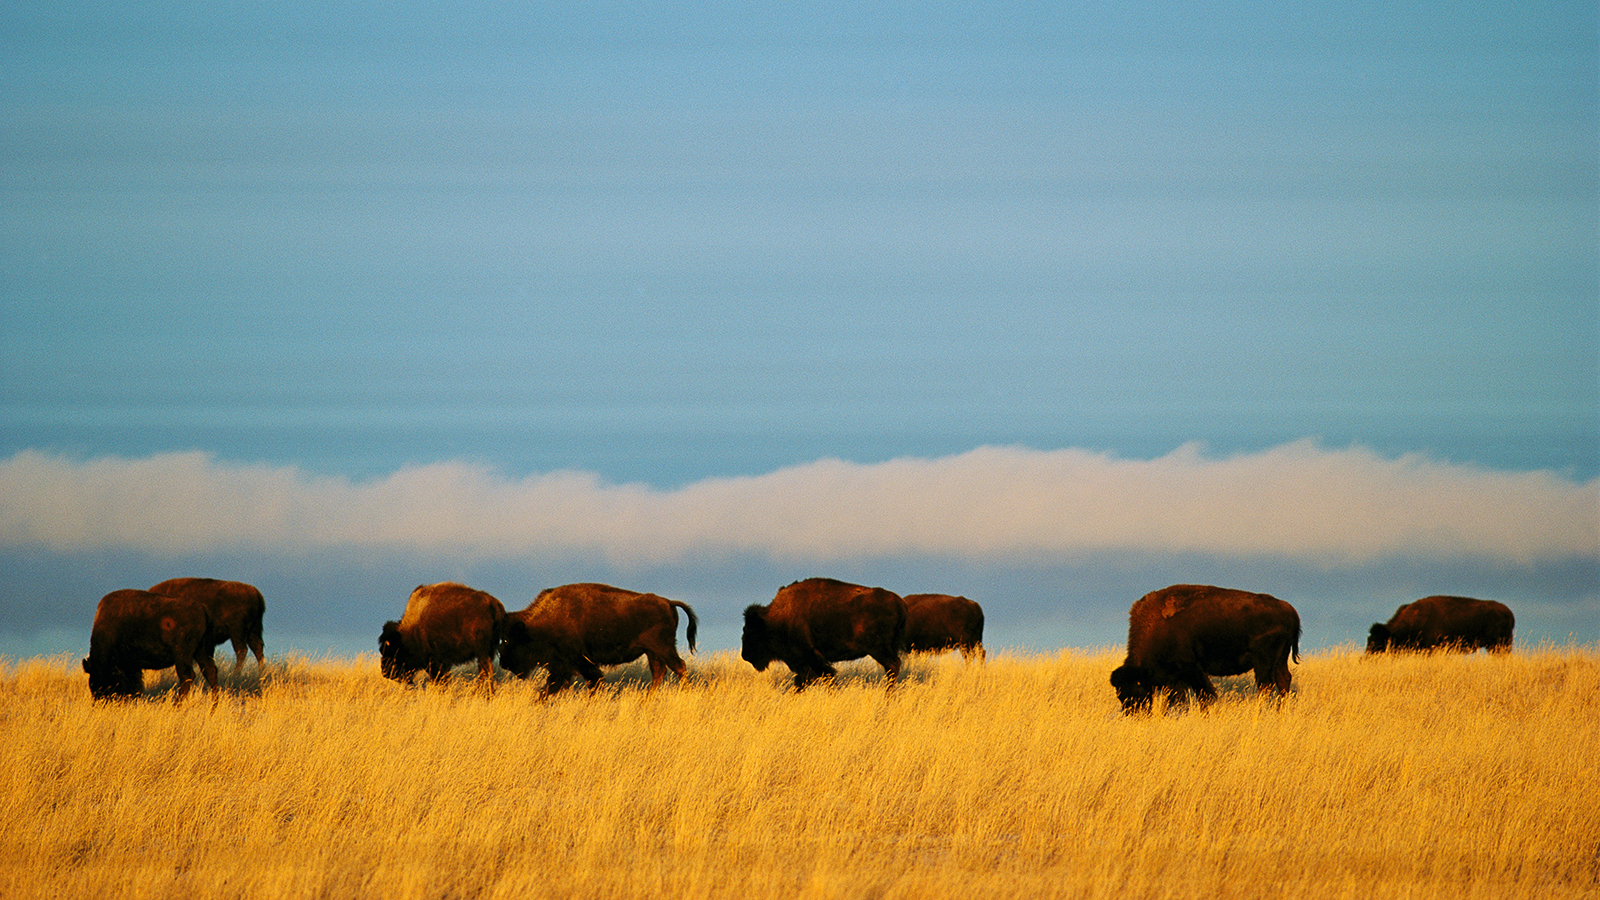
x=1299 y=501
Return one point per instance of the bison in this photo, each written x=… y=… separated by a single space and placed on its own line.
x=575 y=629
x=1451 y=623
x=1179 y=635
x=236 y=610
x=444 y=625
x=138 y=630
x=813 y=623
x=939 y=622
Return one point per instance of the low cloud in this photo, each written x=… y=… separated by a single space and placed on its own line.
x=1300 y=502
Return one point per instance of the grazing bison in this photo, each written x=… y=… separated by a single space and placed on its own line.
x=939 y=622
x=1452 y=623
x=236 y=609
x=813 y=623
x=138 y=630
x=575 y=629
x=444 y=625
x=1179 y=635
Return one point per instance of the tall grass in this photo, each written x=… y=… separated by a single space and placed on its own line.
x=1407 y=776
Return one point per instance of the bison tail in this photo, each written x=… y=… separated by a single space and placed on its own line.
x=252 y=623
x=694 y=624
x=902 y=631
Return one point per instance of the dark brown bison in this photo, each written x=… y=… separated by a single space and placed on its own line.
x=575 y=629
x=813 y=623
x=236 y=610
x=138 y=630
x=1179 y=635
x=444 y=625
x=1451 y=623
x=939 y=622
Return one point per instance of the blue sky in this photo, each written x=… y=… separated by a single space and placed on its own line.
x=358 y=250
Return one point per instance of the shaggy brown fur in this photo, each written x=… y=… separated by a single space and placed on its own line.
x=1452 y=623
x=444 y=625
x=575 y=629
x=1179 y=635
x=813 y=623
x=138 y=630
x=236 y=611
x=939 y=622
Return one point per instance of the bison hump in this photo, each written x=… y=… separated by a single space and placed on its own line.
x=1176 y=601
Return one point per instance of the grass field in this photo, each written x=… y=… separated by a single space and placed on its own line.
x=1403 y=777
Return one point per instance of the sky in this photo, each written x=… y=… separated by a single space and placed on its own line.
x=1050 y=305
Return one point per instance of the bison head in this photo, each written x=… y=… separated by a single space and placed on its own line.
x=1133 y=688
x=756 y=645
x=517 y=656
x=110 y=681
x=1378 y=638
x=394 y=657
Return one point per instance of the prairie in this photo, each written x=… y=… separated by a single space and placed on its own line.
x=1404 y=777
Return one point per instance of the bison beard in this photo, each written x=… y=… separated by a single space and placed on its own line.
x=1178 y=636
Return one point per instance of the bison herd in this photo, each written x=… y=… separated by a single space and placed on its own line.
x=1178 y=637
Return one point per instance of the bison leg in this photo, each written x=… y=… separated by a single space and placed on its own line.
x=130 y=681
x=815 y=672
x=890 y=661
x=239 y=651
x=661 y=663
x=1273 y=676
x=560 y=676
x=185 y=672
x=1193 y=680
x=658 y=670
x=208 y=668
x=486 y=673
x=1271 y=654
x=808 y=666
x=590 y=672
x=806 y=674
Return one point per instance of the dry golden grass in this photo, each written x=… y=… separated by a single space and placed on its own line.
x=1430 y=776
